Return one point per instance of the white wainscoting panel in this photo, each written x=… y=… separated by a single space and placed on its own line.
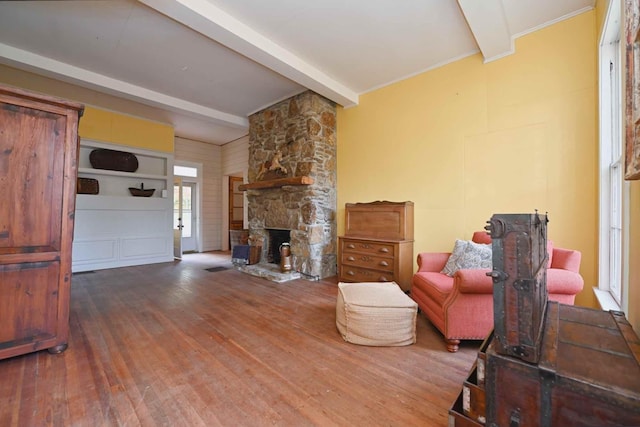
x=121 y=231
x=143 y=247
x=95 y=251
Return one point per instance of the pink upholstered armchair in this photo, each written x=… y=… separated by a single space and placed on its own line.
x=461 y=307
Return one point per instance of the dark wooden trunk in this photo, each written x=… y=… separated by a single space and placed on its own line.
x=470 y=407
x=547 y=364
x=588 y=374
x=519 y=243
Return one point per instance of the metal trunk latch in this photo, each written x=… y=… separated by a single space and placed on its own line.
x=514 y=420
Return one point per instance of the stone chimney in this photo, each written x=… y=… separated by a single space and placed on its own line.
x=292 y=180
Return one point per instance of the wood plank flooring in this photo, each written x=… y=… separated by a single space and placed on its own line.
x=175 y=345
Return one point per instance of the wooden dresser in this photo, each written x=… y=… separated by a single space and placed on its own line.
x=378 y=243
x=38 y=171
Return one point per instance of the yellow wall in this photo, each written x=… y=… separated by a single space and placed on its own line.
x=107 y=126
x=469 y=139
x=601 y=11
x=97 y=124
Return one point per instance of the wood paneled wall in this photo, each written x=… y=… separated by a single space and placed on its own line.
x=235 y=162
x=235 y=157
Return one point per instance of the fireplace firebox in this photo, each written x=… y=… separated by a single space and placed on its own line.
x=276 y=238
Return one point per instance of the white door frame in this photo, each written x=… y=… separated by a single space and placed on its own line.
x=177 y=231
x=190 y=243
x=198 y=211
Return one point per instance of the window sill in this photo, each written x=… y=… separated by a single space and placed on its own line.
x=605 y=300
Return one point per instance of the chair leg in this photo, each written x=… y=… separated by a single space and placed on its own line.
x=452 y=345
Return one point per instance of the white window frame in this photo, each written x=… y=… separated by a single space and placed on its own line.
x=612 y=274
x=185 y=171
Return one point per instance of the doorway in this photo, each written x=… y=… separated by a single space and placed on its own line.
x=236 y=205
x=187 y=189
x=185 y=213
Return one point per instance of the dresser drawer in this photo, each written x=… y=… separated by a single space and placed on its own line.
x=367 y=261
x=375 y=260
x=354 y=274
x=368 y=247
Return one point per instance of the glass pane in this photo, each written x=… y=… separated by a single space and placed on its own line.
x=186 y=211
x=237 y=214
x=176 y=197
x=186 y=198
x=185 y=171
x=237 y=200
x=615 y=232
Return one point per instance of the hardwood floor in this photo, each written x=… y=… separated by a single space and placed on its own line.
x=175 y=345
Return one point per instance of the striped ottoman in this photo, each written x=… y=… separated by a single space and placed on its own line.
x=375 y=314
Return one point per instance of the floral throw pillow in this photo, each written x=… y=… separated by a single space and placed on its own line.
x=456 y=255
x=468 y=254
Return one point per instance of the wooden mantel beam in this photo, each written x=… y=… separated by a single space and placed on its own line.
x=275 y=183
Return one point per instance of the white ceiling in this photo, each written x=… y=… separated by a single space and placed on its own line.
x=206 y=65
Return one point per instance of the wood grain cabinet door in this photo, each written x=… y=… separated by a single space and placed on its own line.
x=38 y=171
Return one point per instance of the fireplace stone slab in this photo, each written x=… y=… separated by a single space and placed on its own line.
x=268 y=271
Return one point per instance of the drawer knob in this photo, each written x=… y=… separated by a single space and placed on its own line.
x=384 y=250
x=350 y=273
x=351 y=246
x=351 y=258
x=384 y=263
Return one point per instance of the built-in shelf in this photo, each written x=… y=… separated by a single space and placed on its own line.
x=104 y=172
x=275 y=183
x=114 y=228
x=154 y=170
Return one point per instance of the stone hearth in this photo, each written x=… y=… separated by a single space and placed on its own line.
x=300 y=133
x=268 y=271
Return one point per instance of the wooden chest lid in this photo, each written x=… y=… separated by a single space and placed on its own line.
x=592 y=346
x=379 y=220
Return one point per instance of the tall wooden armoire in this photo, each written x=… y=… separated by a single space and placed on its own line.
x=38 y=172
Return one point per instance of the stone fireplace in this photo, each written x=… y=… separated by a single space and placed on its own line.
x=292 y=181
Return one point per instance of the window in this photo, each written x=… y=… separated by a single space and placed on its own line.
x=185 y=171
x=610 y=288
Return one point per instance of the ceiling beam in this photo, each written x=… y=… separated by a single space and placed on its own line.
x=212 y=22
x=29 y=61
x=488 y=23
